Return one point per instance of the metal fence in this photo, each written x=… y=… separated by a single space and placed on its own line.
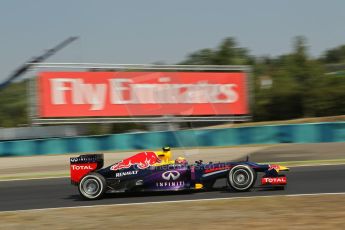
x=41 y=132
x=270 y=134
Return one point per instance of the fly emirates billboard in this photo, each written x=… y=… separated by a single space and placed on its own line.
x=126 y=94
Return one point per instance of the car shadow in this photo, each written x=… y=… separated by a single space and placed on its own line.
x=77 y=197
x=254 y=189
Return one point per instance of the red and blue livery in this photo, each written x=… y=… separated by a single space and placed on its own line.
x=155 y=171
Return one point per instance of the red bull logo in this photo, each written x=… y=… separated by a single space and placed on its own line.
x=142 y=160
x=276 y=167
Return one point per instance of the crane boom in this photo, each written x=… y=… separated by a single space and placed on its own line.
x=26 y=66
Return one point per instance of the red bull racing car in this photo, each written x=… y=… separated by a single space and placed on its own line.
x=155 y=171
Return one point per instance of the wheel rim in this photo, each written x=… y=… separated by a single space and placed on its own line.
x=91 y=187
x=241 y=177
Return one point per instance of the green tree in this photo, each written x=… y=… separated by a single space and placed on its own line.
x=227 y=53
x=327 y=96
x=201 y=57
x=13 y=101
x=336 y=55
x=294 y=76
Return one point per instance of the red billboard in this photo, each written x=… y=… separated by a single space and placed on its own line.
x=125 y=94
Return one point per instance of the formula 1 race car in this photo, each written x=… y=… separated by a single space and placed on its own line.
x=155 y=171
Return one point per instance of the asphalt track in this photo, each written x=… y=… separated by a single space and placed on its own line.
x=52 y=193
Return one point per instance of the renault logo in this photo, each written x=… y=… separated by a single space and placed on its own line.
x=170 y=175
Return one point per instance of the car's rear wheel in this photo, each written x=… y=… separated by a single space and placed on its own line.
x=92 y=186
x=241 y=178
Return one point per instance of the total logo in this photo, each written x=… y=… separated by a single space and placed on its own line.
x=82 y=167
x=277 y=180
x=120 y=174
x=274 y=180
x=171 y=175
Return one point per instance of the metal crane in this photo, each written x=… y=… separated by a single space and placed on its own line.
x=25 y=67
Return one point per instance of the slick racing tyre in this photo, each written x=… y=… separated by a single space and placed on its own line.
x=92 y=186
x=241 y=178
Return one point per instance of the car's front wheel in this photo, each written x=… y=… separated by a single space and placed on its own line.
x=92 y=186
x=241 y=178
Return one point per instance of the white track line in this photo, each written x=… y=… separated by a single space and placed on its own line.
x=172 y=202
x=311 y=165
x=33 y=178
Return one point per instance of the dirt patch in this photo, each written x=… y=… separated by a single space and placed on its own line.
x=281 y=212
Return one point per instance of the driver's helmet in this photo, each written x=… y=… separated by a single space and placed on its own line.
x=181 y=160
x=166 y=149
x=165 y=155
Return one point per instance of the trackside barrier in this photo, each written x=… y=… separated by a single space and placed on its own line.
x=269 y=134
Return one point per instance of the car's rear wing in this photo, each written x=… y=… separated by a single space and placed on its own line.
x=82 y=165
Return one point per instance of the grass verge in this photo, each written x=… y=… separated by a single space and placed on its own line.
x=278 y=212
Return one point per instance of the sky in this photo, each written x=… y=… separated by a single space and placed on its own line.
x=141 y=32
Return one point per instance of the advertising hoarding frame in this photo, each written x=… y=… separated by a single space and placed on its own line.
x=94 y=67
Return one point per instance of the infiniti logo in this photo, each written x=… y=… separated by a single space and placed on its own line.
x=170 y=175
